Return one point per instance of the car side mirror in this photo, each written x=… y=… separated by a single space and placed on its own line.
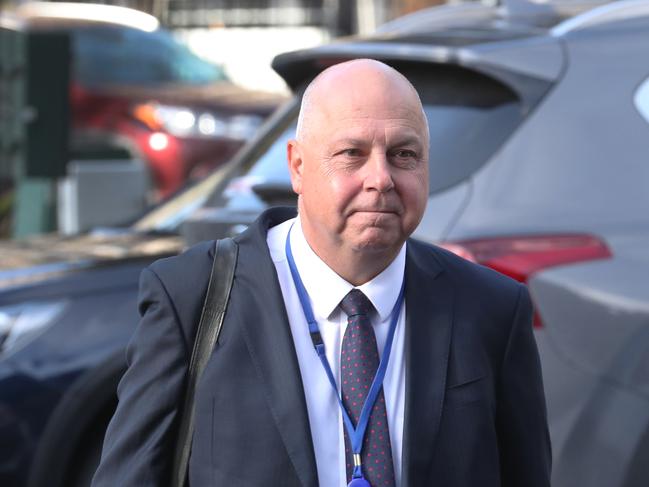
x=275 y=194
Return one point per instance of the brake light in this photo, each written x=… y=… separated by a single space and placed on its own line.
x=521 y=257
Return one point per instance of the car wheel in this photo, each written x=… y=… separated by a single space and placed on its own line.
x=69 y=449
x=86 y=458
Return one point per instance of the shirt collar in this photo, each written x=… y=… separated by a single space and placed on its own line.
x=326 y=288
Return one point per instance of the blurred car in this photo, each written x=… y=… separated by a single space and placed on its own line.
x=538 y=170
x=135 y=84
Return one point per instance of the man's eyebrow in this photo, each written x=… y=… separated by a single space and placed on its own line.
x=407 y=140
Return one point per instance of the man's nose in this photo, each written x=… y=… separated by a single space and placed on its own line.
x=378 y=174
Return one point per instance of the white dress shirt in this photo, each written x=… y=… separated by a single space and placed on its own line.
x=326 y=289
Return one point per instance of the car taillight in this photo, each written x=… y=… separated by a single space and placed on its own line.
x=146 y=113
x=521 y=257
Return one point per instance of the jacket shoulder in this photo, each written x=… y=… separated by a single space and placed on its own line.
x=184 y=278
x=191 y=259
x=474 y=278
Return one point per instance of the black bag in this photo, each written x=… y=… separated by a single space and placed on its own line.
x=209 y=327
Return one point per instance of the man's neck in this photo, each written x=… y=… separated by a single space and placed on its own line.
x=358 y=267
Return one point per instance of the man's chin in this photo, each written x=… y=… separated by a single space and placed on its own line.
x=377 y=241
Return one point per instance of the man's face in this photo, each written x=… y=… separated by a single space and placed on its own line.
x=361 y=170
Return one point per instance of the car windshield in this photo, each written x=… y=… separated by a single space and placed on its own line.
x=113 y=56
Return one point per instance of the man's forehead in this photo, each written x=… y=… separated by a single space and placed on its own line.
x=362 y=124
x=356 y=132
x=368 y=116
x=359 y=124
x=392 y=111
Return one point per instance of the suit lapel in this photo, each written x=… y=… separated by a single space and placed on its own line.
x=268 y=337
x=429 y=318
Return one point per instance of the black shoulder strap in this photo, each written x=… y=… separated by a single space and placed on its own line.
x=209 y=327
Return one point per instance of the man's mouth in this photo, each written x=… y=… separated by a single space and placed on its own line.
x=377 y=210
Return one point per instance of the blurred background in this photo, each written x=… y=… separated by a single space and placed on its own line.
x=131 y=130
x=174 y=86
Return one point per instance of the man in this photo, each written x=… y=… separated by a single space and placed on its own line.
x=460 y=403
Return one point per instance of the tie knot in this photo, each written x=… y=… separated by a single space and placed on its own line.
x=356 y=303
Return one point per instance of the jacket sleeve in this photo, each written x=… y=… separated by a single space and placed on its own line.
x=524 y=441
x=139 y=441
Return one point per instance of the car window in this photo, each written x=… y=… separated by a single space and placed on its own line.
x=169 y=215
x=270 y=167
x=469 y=117
x=106 y=56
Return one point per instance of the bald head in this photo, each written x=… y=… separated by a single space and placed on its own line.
x=361 y=81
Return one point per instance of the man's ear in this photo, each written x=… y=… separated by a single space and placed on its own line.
x=295 y=164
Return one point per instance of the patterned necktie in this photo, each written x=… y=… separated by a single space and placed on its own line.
x=359 y=360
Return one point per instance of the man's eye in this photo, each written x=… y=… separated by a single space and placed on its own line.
x=405 y=154
x=351 y=152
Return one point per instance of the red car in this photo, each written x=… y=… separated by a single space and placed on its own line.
x=134 y=83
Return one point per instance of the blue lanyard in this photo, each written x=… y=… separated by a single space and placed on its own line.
x=356 y=435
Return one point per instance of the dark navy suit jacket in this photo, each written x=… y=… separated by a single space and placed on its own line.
x=475 y=412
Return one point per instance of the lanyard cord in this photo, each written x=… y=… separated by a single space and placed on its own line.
x=357 y=434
